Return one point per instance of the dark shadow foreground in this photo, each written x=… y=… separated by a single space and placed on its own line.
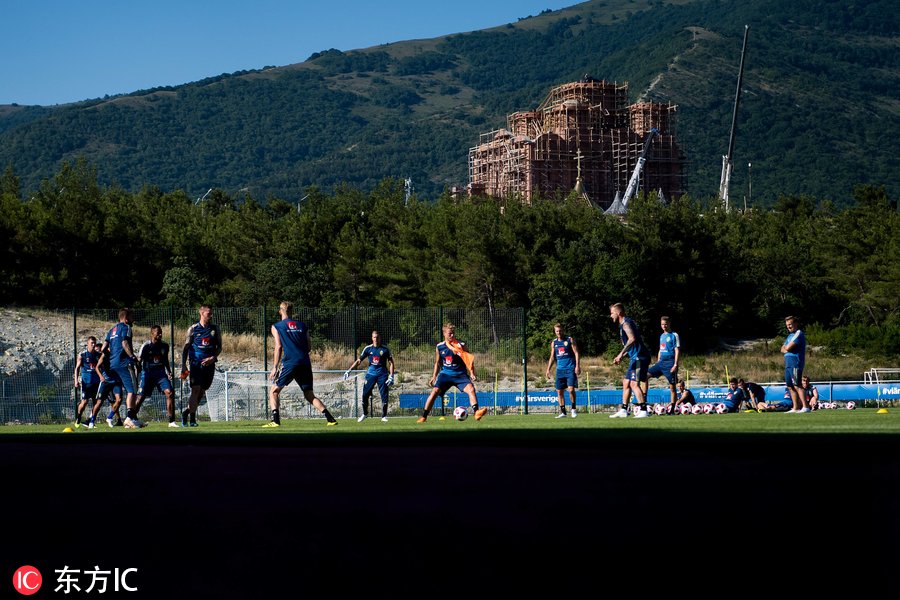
x=509 y=515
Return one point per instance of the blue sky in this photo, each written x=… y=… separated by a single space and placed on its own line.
x=59 y=51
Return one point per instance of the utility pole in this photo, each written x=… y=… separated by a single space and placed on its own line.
x=727 y=166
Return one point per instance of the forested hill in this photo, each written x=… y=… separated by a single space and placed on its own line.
x=818 y=110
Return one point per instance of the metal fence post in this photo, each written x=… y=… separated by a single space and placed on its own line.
x=525 y=358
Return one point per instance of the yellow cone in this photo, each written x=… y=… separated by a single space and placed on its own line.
x=68 y=430
x=881 y=411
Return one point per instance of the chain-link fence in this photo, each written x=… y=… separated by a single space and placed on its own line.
x=496 y=337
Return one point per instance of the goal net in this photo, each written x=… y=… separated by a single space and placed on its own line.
x=244 y=396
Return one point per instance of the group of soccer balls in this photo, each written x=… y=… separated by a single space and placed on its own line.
x=689 y=409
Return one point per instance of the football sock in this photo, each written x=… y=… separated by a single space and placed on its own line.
x=384 y=409
x=328 y=416
x=129 y=414
x=474 y=408
x=642 y=406
x=624 y=407
x=276 y=418
x=573 y=406
x=184 y=416
x=425 y=412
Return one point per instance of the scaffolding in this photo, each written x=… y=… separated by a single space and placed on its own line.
x=584 y=137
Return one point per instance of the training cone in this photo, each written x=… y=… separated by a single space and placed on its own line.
x=881 y=411
x=442 y=419
x=68 y=430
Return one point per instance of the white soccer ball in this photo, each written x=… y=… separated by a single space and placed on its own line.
x=851 y=405
x=460 y=413
x=696 y=409
x=721 y=408
x=660 y=409
x=685 y=409
x=708 y=408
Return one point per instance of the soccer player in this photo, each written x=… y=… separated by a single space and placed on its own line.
x=564 y=351
x=377 y=374
x=685 y=396
x=667 y=360
x=202 y=347
x=291 y=362
x=783 y=405
x=122 y=363
x=457 y=367
x=109 y=384
x=639 y=358
x=744 y=391
x=87 y=379
x=794 y=350
x=156 y=372
x=811 y=393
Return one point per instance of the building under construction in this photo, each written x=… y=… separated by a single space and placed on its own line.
x=583 y=137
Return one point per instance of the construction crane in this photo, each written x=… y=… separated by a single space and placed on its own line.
x=631 y=189
x=727 y=165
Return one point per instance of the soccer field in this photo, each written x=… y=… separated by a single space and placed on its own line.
x=492 y=429
x=510 y=506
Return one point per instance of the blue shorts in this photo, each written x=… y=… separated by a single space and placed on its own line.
x=301 y=373
x=637 y=369
x=793 y=372
x=663 y=369
x=566 y=379
x=783 y=404
x=445 y=381
x=149 y=381
x=112 y=385
x=89 y=390
x=127 y=377
x=371 y=382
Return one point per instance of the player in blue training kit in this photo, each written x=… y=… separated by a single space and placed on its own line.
x=564 y=351
x=667 y=360
x=87 y=379
x=109 y=384
x=685 y=396
x=377 y=374
x=123 y=363
x=744 y=391
x=457 y=367
x=156 y=372
x=783 y=405
x=291 y=362
x=201 y=350
x=794 y=350
x=639 y=359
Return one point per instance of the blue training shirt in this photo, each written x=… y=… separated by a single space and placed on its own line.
x=154 y=357
x=89 y=367
x=378 y=357
x=638 y=349
x=564 y=353
x=799 y=353
x=294 y=342
x=451 y=363
x=205 y=342
x=667 y=344
x=118 y=358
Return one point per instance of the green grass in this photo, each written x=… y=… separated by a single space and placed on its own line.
x=492 y=430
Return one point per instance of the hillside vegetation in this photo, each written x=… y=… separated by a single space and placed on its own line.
x=819 y=104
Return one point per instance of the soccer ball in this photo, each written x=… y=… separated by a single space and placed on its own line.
x=721 y=409
x=696 y=409
x=685 y=409
x=851 y=405
x=660 y=409
x=709 y=408
x=460 y=413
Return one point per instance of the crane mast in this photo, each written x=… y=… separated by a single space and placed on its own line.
x=727 y=165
